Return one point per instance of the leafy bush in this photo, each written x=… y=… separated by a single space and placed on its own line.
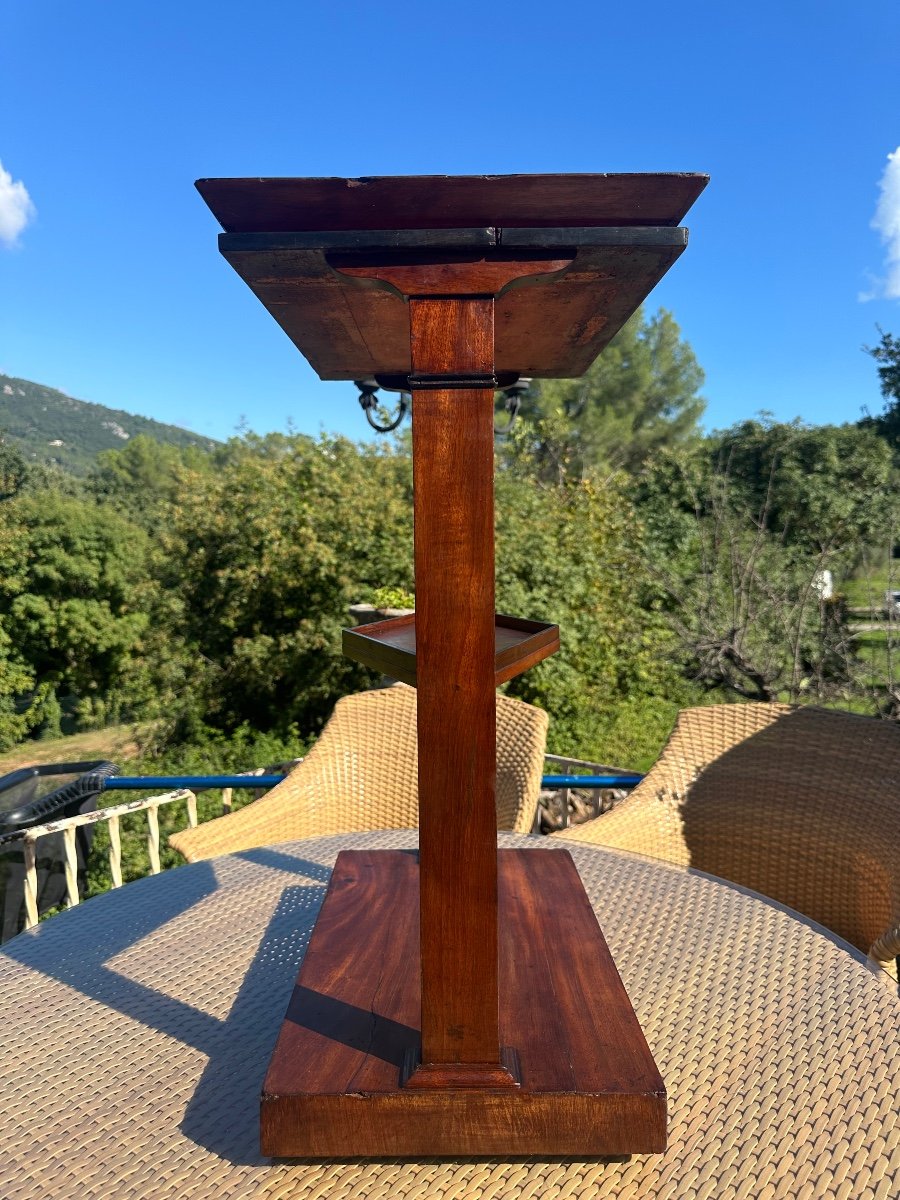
x=393 y=597
x=265 y=557
x=572 y=555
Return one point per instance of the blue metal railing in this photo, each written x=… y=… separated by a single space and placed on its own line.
x=198 y=782
x=591 y=781
x=194 y=782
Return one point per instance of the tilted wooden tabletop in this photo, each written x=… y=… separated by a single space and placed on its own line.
x=295 y=242
x=137 y=1028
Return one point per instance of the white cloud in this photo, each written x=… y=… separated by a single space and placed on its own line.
x=887 y=222
x=16 y=209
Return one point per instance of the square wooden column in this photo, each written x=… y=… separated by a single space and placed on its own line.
x=452 y=341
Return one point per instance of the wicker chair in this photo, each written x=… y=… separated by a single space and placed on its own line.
x=362 y=774
x=801 y=804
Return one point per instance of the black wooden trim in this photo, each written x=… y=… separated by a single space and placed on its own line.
x=359 y=239
x=444 y=239
x=440 y=383
x=405 y=383
x=631 y=235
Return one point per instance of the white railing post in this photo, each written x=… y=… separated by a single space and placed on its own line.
x=153 y=837
x=115 y=852
x=71 y=866
x=31 y=905
x=68 y=827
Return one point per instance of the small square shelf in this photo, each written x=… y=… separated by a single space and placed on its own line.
x=390 y=646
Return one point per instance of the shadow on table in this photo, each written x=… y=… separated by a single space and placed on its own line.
x=223 y=1113
x=75 y=948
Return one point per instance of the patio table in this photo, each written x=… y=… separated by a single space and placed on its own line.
x=137 y=1028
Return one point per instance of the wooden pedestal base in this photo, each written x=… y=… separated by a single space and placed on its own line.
x=588 y=1084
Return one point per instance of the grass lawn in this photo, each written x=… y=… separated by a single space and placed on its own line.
x=873 y=648
x=867 y=588
x=115 y=743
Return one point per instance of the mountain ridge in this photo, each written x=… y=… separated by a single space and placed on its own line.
x=49 y=427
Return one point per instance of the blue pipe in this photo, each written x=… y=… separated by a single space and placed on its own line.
x=143 y=782
x=591 y=781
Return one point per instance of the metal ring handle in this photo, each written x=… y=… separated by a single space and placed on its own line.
x=367 y=390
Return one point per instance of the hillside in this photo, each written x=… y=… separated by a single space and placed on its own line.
x=49 y=426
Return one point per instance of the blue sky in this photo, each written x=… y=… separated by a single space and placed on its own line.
x=114 y=290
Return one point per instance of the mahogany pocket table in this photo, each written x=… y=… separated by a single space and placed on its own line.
x=450 y=287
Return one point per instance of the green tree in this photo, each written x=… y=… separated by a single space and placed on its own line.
x=823 y=487
x=641 y=394
x=74 y=602
x=144 y=476
x=574 y=555
x=13 y=469
x=265 y=555
x=18 y=713
x=887 y=355
x=741 y=532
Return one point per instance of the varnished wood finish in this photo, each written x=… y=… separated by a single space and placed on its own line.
x=431 y=273
x=550 y=325
x=619 y=228
x=521 y=645
x=386 y=1051
x=390 y=646
x=453 y=468
x=445 y=201
x=506 y=1073
x=588 y=1082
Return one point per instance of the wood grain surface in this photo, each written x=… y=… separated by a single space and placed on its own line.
x=453 y=476
x=552 y=325
x=390 y=646
x=589 y=1085
x=449 y=201
x=462 y=273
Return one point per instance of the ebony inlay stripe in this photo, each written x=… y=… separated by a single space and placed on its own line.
x=436 y=239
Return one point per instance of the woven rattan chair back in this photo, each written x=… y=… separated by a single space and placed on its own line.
x=801 y=804
x=362 y=774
